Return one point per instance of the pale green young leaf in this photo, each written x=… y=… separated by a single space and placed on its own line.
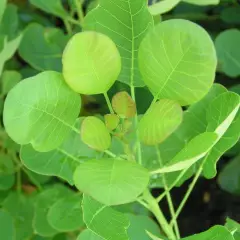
x=160 y=121
x=9 y=79
x=126 y=23
x=89 y=235
x=163 y=6
x=54 y=7
x=42 y=205
x=229 y=177
x=40 y=51
x=195 y=150
x=9 y=48
x=233 y=227
x=61 y=162
x=124 y=105
x=7 y=228
x=3 y=4
x=202 y=2
x=95 y=134
x=140 y=225
x=45 y=115
x=20 y=207
x=111 y=121
x=183 y=73
x=227 y=46
x=104 y=221
x=111 y=181
x=65 y=215
x=216 y=233
x=86 y=61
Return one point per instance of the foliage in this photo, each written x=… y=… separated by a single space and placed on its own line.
x=67 y=173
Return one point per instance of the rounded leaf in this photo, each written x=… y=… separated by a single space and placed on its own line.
x=95 y=134
x=111 y=181
x=65 y=215
x=178 y=61
x=161 y=120
x=41 y=110
x=91 y=63
x=7 y=227
x=124 y=105
x=111 y=121
x=227 y=46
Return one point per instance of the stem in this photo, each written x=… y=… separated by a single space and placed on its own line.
x=73 y=21
x=111 y=154
x=67 y=26
x=169 y=198
x=154 y=208
x=172 y=186
x=79 y=10
x=108 y=103
x=19 y=182
x=189 y=191
x=139 y=148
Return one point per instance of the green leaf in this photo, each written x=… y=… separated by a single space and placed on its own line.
x=6 y=181
x=216 y=233
x=195 y=150
x=95 y=134
x=234 y=228
x=3 y=4
x=126 y=23
x=7 y=228
x=163 y=6
x=53 y=7
x=6 y=164
x=140 y=225
x=104 y=221
x=89 y=235
x=203 y=2
x=9 y=79
x=66 y=214
x=111 y=181
x=194 y=119
x=9 y=24
x=160 y=121
x=153 y=237
x=231 y=14
x=45 y=115
x=43 y=203
x=20 y=208
x=229 y=177
x=61 y=162
x=223 y=119
x=124 y=105
x=9 y=48
x=184 y=73
x=227 y=46
x=41 y=51
x=86 y=60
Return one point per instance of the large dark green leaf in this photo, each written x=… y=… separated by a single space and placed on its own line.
x=42 y=48
x=105 y=221
x=111 y=181
x=45 y=115
x=61 y=162
x=126 y=23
